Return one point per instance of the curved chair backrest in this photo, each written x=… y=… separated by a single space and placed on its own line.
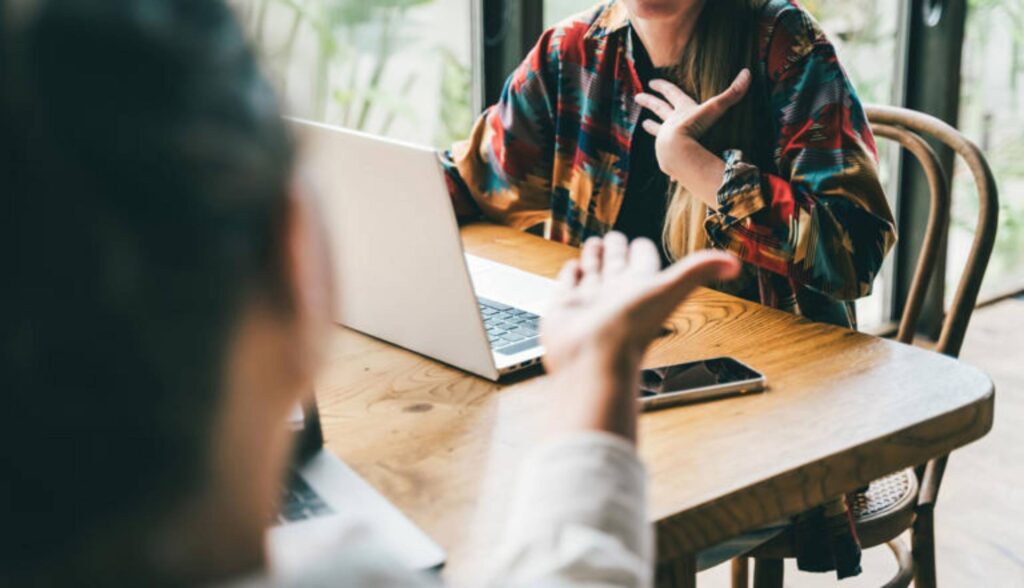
x=907 y=127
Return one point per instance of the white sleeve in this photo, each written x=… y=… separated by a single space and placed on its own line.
x=578 y=517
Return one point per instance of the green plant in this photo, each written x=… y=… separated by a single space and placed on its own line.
x=356 y=42
x=456 y=110
x=855 y=26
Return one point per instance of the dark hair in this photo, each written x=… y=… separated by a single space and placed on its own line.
x=143 y=179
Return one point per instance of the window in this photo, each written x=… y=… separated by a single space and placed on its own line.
x=992 y=114
x=399 y=68
x=556 y=10
x=403 y=68
x=866 y=36
x=864 y=31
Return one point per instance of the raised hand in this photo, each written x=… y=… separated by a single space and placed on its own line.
x=684 y=121
x=609 y=307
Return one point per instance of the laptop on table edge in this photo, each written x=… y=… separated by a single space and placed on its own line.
x=398 y=259
x=323 y=495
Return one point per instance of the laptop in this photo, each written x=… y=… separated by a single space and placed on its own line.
x=403 y=276
x=324 y=498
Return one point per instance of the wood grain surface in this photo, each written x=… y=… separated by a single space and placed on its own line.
x=842 y=409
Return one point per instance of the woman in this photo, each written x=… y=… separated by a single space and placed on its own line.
x=725 y=124
x=160 y=308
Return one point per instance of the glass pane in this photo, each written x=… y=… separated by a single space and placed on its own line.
x=864 y=32
x=399 y=68
x=992 y=114
x=556 y=10
x=866 y=36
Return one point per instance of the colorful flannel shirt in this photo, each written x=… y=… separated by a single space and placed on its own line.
x=812 y=227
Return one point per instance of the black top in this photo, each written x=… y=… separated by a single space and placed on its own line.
x=643 y=207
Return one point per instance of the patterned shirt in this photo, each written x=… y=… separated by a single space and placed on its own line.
x=553 y=155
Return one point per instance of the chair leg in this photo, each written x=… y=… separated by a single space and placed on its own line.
x=768 y=573
x=740 y=572
x=904 y=563
x=923 y=548
x=678 y=573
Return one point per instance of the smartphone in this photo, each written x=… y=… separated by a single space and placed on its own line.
x=697 y=381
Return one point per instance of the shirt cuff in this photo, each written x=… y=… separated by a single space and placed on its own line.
x=740 y=194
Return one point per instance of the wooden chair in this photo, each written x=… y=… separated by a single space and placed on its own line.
x=906 y=500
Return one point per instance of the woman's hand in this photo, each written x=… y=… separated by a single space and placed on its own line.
x=684 y=121
x=609 y=306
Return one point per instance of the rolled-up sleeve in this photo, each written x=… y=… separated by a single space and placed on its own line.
x=578 y=517
x=823 y=220
x=503 y=171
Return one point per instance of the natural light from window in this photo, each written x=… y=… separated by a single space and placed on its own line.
x=399 y=68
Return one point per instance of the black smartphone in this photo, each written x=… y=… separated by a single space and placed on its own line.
x=697 y=381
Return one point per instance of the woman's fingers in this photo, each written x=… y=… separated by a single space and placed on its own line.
x=659 y=107
x=736 y=90
x=716 y=107
x=701 y=117
x=616 y=252
x=674 y=94
x=652 y=127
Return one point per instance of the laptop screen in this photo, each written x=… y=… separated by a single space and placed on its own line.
x=305 y=423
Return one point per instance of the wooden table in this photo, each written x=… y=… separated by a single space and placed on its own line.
x=843 y=408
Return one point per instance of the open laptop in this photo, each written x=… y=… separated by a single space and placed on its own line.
x=324 y=497
x=402 y=273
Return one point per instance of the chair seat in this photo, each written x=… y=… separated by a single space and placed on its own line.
x=881 y=514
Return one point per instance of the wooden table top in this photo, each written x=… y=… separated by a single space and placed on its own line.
x=842 y=409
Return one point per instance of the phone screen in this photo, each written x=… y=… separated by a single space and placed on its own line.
x=692 y=375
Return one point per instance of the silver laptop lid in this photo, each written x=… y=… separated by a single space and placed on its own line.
x=395 y=245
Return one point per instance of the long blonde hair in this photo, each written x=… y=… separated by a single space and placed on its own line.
x=722 y=44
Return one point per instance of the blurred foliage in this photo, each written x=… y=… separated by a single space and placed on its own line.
x=991 y=114
x=357 y=43
x=990 y=104
x=354 y=83
x=456 y=109
x=556 y=10
x=864 y=32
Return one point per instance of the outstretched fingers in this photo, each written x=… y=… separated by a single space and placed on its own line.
x=674 y=94
x=616 y=253
x=716 y=107
x=569 y=277
x=695 y=270
x=644 y=259
x=652 y=127
x=591 y=261
x=659 y=107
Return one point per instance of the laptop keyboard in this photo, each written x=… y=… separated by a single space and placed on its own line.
x=509 y=329
x=301 y=502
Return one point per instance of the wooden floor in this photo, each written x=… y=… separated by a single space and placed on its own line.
x=980 y=513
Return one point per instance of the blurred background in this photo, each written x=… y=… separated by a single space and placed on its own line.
x=421 y=70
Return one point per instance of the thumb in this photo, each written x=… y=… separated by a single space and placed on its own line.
x=716 y=107
x=736 y=90
x=695 y=270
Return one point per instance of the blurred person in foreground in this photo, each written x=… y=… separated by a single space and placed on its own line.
x=164 y=301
